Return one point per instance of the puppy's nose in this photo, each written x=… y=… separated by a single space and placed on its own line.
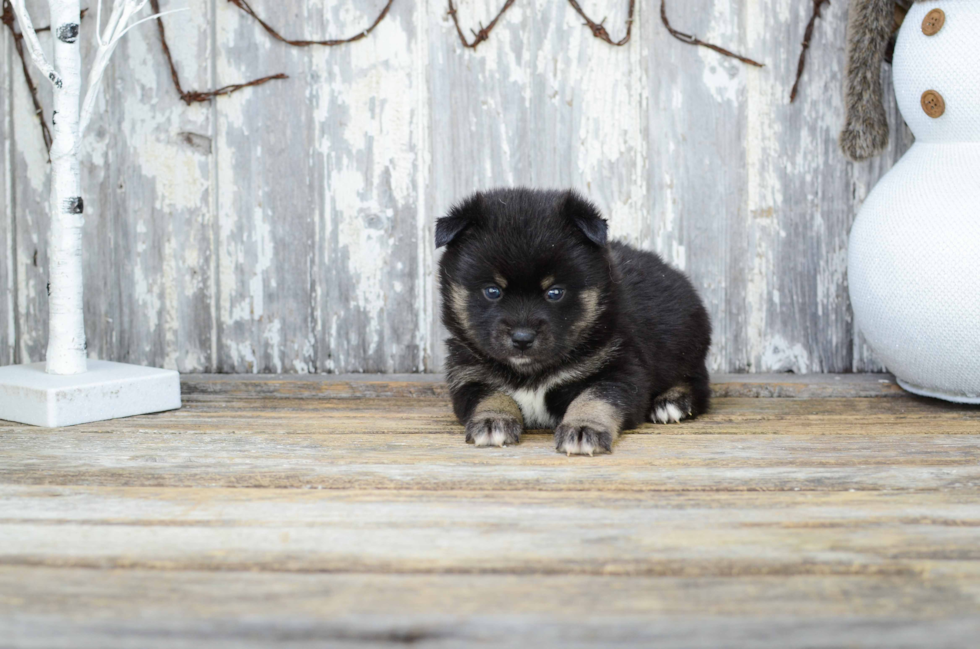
x=522 y=337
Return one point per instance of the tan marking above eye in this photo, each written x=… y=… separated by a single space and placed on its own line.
x=547 y=281
x=501 y=282
x=589 y=299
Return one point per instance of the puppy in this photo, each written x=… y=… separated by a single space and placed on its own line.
x=553 y=327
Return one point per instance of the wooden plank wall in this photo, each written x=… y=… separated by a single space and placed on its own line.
x=7 y=309
x=288 y=228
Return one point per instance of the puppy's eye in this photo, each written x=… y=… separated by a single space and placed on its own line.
x=493 y=293
x=554 y=294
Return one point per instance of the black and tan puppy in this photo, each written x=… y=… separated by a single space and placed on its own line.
x=553 y=327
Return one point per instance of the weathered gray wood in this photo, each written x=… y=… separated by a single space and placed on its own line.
x=30 y=188
x=583 y=102
x=511 y=629
x=8 y=294
x=649 y=464
x=695 y=109
x=367 y=101
x=415 y=443
x=269 y=185
x=806 y=386
x=257 y=516
x=299 y=239
x=147 y=185
x=673 y=535
x=353 y=386
x=48 y=607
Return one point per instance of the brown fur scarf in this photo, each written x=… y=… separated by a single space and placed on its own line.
x=870 y=24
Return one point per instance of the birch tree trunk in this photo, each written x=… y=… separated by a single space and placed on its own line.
x=66 y=320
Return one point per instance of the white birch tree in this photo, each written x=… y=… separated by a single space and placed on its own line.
x=66 y=320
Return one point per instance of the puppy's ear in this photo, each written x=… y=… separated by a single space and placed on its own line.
x=460 y=217
x=586 y=217
x=448 y=227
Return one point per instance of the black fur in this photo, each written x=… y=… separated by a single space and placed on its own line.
x=648 y=331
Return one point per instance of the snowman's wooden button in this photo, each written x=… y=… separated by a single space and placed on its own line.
x=933 y=104
x=933 y=22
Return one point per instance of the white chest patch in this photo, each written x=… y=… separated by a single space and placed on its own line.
x=531 y=401
x=533 y=408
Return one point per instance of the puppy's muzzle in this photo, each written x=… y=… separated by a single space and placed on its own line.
x=522 y=338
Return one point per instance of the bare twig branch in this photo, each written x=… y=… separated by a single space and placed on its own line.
x=478 y=36
x=29 y=37
x=191 y=96
x=244 y=6
x=7 y=18
x=807 y=35
x=599 y=31
x=45 y=131
x=121 y=21
x=694 y=40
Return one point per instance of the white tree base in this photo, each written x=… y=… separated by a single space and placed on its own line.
x=30 y=395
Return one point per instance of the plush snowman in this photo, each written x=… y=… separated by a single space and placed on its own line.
x=914 y=252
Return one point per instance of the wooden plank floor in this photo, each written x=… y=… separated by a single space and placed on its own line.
x=802 y=512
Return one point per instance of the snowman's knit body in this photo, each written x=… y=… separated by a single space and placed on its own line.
x=914 y=253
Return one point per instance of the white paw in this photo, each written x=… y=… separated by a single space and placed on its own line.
x=667 y=413
x=496 y=431
x=577 y=439
x=577 y=447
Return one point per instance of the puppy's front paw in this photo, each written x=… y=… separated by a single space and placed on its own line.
x=672 y=406
x=494 y=431
x=582 y=439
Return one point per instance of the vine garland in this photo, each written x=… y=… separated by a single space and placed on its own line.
x=191 y=96
x=244 y=6
x=598 y=30
x=807 y=35
x=484 y=33
x=690 y=39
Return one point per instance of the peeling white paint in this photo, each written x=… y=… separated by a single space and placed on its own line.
x=782 y=356
x=272 y=335
x=425 y=328
x=146 y=294
x=720 y=75
x=8 y=328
